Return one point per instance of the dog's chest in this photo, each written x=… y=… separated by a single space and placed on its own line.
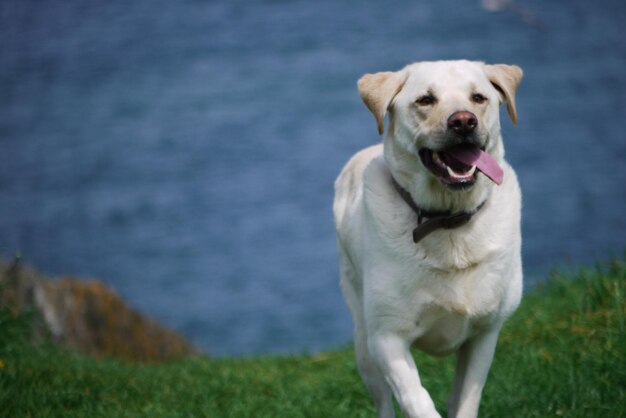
x=440 y=332
x=471 y=291
x=440 y=309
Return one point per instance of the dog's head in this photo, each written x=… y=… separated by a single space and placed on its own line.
x=444 y=121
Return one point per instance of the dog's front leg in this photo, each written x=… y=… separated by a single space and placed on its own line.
x=473 y=362
x=391 y=353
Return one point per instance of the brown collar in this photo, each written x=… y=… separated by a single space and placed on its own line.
x=434 y=219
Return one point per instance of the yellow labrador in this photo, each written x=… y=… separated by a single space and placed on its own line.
x=428 y=227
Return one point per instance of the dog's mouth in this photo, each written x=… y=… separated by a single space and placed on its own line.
x=457 y=167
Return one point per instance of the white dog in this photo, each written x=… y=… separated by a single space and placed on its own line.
x=428 y=227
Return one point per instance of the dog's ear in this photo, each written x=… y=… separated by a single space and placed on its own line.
x=378 y=90
x=506 y=78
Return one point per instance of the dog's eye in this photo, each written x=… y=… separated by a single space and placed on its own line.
x=426 y=100
x=478 y=98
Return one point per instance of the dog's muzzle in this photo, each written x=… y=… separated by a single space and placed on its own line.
x=458 y=164
x=450 y=171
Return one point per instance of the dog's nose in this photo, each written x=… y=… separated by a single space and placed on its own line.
x=463 y=122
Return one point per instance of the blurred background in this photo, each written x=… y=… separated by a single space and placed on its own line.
x=185 y=152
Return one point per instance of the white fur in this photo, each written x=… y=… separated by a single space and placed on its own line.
x=451 y=292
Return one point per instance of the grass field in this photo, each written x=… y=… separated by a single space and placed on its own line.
x=563 y=354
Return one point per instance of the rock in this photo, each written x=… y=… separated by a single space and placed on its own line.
x=88 y=316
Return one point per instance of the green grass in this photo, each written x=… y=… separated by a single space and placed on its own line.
x=561 y=355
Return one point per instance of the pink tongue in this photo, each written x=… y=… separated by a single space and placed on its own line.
x=471 y=155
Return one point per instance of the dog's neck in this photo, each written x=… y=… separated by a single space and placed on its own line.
x=430 y=221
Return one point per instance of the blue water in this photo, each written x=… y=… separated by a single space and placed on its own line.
x=184 y=152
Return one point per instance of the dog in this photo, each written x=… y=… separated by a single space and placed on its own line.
x=428 y=230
